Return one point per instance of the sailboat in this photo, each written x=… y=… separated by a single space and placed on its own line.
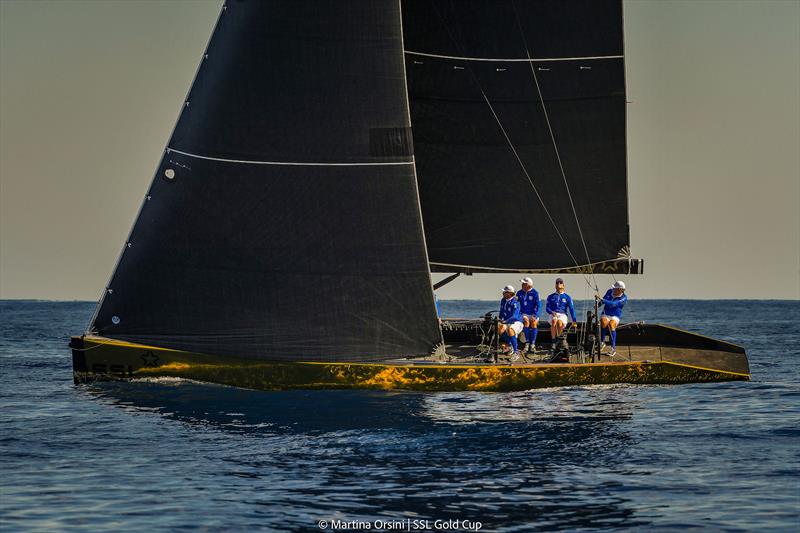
x=330 y=156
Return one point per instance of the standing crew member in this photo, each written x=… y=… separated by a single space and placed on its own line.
x=613 y=302
x=510 y=320
x=529 y=307
x=557 y=305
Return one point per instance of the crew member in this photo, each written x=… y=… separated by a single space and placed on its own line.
x=529 y=307
x=557 y=305
x=510 y=320
x=613 y=302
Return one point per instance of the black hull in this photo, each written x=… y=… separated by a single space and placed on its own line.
x=646 y=354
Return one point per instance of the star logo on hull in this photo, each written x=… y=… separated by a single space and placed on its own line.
x=150 y=359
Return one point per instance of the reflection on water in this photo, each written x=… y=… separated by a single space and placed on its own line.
x=202 y=403
x=584 y=403
x=517 y=458
x=170 y=454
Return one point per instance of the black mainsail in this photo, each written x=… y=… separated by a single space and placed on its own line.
x=518 y=110
x=283 y=222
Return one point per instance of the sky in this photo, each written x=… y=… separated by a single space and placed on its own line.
x=90 y=92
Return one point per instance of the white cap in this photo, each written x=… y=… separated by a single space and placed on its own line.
x=508 y=288
x=529 y=281
x=619 y=285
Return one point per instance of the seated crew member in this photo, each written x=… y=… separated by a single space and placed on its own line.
x=557 y=305
x=529 y=307
x=613 y=302
x=510 y=320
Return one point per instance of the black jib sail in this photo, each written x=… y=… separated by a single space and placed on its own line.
x=283 y=222
x=518 y=110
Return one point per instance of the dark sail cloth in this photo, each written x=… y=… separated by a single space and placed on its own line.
x=290 y=168
x=459 y=55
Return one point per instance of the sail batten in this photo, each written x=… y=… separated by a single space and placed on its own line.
x=293 y=163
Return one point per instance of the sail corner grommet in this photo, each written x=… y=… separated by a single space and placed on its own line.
x=169 y=174
x=115 y=320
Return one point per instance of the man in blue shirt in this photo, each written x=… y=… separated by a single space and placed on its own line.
x=510 y=320
x=613 y=302
x=529 y=307
x=558 y=304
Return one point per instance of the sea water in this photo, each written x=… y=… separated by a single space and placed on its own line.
x=168 y=454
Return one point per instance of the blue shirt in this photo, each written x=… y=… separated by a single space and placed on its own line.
x=529 y=302
x=613 y=306
x=438 y=308
x=509 y=311
x=560 y=303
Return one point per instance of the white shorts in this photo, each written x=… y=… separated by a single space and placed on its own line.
x=516 y=326
x=559 y=316
x=614 y=319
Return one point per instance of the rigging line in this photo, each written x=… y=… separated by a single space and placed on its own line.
x=553 y=138
x=508 y=140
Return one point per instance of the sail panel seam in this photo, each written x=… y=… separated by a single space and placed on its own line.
x=292 y=163
x=514 y=59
